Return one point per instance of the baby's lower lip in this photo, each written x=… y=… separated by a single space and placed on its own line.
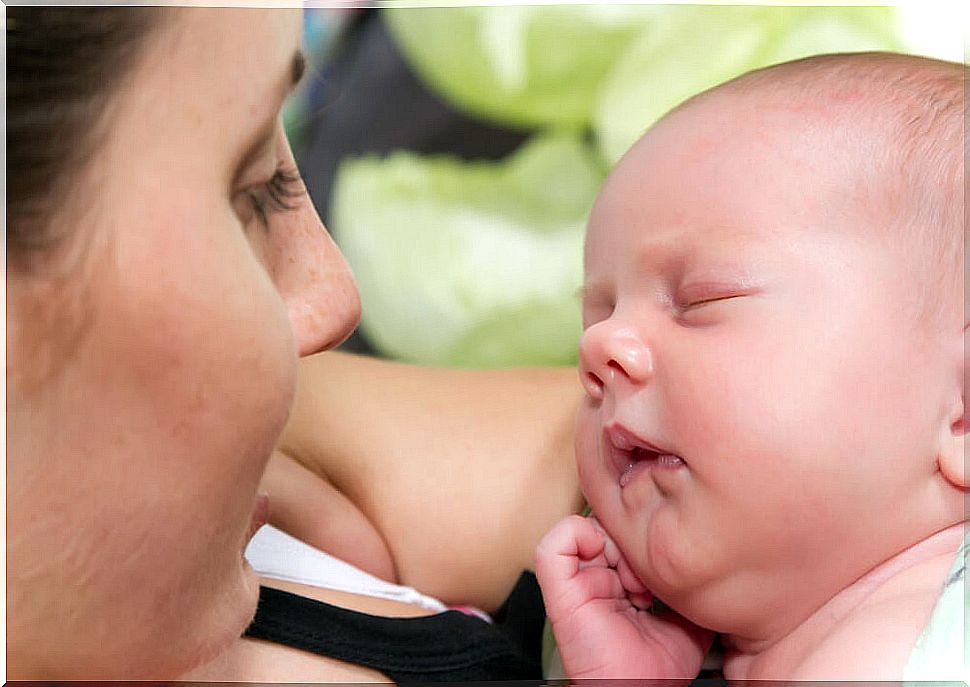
x=664 y=461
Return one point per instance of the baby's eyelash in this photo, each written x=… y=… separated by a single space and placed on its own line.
x=279 y=194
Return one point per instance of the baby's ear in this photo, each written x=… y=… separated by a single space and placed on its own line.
x=953 y=462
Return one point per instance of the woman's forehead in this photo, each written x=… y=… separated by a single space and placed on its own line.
x=209 y=82
x=232 y=56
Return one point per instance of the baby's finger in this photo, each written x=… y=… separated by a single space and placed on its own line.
x=560 y=552
x=641 y=602
x=693 y=639
x=610 y=550
x=631 y=583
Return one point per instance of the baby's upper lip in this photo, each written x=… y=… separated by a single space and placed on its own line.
x=625 y=439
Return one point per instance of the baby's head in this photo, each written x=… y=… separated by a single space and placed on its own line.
x=774 y=336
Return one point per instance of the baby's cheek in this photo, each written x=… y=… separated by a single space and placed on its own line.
x=664 y=559
x=587 y=448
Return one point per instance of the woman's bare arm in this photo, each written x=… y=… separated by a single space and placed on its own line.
x=461 y=471
x=305 y=504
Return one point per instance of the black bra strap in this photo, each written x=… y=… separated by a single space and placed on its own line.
x=449 y=646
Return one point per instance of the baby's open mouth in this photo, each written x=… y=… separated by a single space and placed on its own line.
x=632 y=454
x=642 y=459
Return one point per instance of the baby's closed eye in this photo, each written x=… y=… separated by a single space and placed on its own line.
x=700 y=302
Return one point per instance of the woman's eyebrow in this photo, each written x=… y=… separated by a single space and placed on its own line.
x=266 y=130
x=293 y=75
x=297 y=68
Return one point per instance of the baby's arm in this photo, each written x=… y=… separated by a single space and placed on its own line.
x=600 y=614
x=306 y=505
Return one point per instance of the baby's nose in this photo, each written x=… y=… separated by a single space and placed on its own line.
x=610 y=352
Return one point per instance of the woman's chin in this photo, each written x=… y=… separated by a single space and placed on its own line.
x=250 y=583
x=228 y=626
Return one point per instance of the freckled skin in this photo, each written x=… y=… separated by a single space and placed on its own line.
x=132 y=474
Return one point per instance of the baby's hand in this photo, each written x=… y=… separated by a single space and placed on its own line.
x=598 y=610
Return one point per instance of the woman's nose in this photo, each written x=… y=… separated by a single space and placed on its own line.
x=312 y=276
x=317 y=286
x=611 y=352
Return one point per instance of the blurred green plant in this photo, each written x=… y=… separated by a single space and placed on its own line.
x=477 y=264
x=470 y=264
x=520 y=65
x=704 y=46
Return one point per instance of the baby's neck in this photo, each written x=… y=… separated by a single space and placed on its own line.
x=866 y=631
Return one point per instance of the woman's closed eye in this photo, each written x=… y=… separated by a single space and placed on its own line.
x=282 y=193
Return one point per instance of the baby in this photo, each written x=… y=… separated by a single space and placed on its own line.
x=773 y=357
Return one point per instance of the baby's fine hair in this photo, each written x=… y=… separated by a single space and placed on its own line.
x=903 y=115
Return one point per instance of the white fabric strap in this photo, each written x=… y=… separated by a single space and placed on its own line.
x=274 y=553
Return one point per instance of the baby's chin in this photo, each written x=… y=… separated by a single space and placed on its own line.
x=673 y=566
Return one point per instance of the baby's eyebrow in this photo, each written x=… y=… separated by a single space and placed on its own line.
x=665 y=251
x=591 y=290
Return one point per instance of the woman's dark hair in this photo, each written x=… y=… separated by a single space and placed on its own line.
x=63 y=66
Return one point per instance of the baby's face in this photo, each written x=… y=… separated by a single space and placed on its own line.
x=760 y=404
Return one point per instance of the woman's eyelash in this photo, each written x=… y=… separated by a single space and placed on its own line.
x=279 y=194
x=284 y=187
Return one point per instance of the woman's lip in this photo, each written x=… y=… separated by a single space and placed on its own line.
x=260 y=514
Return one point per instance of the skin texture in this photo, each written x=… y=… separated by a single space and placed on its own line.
x=132 y=471
x=739 y=315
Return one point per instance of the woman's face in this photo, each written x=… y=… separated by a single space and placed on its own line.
x=133 y=470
